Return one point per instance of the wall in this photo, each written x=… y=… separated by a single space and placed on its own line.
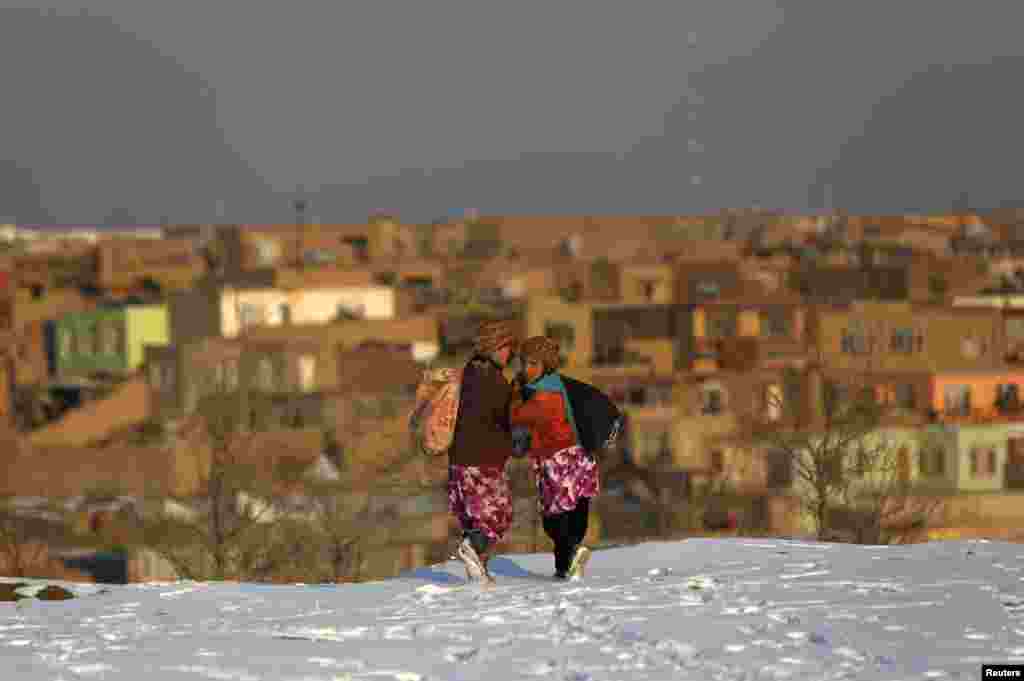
x=542 y=310
x=983 y=388
x=145 y=325
x=988 y=435
x=943 y=330
x=308 y=306
x=661 y=352
x=126 y=406
x=80 y=360
x=633 y=276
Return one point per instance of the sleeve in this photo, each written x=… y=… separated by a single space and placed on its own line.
x=543 y=407
x=503 y=400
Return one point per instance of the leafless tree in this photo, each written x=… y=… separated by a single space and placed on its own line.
x=841 y=460
x=207 y=537
x=27 y=535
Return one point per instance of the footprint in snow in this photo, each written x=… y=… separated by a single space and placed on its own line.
x=542 y=668
x=461 y=653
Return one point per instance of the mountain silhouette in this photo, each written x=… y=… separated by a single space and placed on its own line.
x=102 y=121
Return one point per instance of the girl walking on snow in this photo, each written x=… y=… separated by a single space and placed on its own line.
x=478 y=486
x=567 y=476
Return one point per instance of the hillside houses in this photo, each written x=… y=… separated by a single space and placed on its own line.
x=692 y=324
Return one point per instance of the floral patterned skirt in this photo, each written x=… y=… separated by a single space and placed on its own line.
x=563 y=478
x=480 y=498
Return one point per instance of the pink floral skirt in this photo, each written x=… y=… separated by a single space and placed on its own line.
x=563 y=478
x=480 y=498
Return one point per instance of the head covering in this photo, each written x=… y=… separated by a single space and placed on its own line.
x=494 y=335
x=544 y=350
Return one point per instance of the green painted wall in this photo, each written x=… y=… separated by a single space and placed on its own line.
x=80 y=347
x=76 y=351
x=147 y=325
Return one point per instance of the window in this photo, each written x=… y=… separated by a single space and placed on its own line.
x=267 y=252
x=773 y=401
x=933 y=460
x=708 y=289
x=307 y=373
x=647 y=288
x=958 y=400
x=156 y=375
x=563 y=333
x=776 y=323
x=660 y=395
x=972 y=347
x=905 y=398
x=717 y=462
x=983 y=462
x=780 y=469
x=91 y=338
x=1007 y=397
x=349 y=312
x=834 y=397
x=712 y=400
x=169 y=377
x=67 y=342
x=250 y=314
x=230 y=373
x=108 y=338
x=854 y=341
x=721 y=324
x=218 y=376
x=265 y=374
x=902 y=341
x=862 y=460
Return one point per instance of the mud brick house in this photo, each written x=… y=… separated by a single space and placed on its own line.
x=124 y=264
x=72 y=266
x=904 y=336
x=291 y=362
x=325 y=244
x=368 y=412
x=255 y=299
x=107 y=340
x=844 y=284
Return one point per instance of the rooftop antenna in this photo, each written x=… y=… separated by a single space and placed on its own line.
x=300 y=205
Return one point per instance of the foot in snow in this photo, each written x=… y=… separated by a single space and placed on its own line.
x=475 y=570
x=579 y=562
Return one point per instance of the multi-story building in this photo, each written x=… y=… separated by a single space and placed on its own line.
x=124 y=265
x=107 y=340
x=906 y=337
x=219 y=308
x=283 y=361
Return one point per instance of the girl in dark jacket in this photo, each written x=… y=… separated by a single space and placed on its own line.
x=567 y=477
x=478 y=486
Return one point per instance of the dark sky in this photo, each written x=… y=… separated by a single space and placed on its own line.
x=137 y=111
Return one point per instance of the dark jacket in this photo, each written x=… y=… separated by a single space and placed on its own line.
x=483 y=435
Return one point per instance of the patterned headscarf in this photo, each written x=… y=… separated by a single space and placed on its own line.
x=544 y=350
x=493 y=336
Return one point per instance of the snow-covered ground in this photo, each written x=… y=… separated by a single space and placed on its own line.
x=699 y=609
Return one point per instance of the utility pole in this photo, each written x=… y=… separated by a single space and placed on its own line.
x=299 y=204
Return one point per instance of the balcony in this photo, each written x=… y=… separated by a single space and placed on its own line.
x=960 y=416
x=618 y=360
